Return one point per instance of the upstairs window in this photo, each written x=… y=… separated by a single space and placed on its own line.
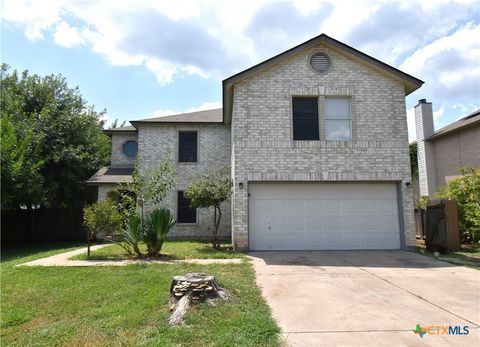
x=338 y=126
x=130 y=148
x=187 y=146
x=305 y=118
x=185 y=214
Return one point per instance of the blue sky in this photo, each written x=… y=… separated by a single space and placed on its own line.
x=147 y=58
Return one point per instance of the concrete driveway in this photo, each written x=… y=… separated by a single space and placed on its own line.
x=368 y=298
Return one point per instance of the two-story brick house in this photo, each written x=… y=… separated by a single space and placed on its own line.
x=317 y=142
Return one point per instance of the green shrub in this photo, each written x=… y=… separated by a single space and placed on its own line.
x=158 y=224
x=131 y=235
x=466 y=191
x=422 y=202
x=101 y=216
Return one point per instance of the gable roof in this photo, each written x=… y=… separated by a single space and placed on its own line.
x=206 y=116
x=411 y=83
x=470 y=120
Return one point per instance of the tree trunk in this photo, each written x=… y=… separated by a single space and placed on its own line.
x=216 y=224
x=191 y=289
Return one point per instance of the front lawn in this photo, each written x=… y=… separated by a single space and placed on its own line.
x=171 y=250
x=98 y=306
x=466 y=256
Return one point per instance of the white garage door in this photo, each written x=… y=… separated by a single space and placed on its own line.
x=323 y=216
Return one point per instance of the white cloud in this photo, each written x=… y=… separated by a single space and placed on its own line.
x=36 y=16
x=67 y=36
x=449 y=65
x=204 y=106
x=216 y=38
x=464 y=109
x=439 y=113
x=411 y=124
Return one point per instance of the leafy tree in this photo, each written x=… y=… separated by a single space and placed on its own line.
x=210 y=190
x=51 y=141
x=20 y=166
x=101 y=216
x=114 y=124
x=466 y=191
x=148 y=188
x=413 y=159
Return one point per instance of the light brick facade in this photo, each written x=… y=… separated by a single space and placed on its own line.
x=119 y=159
x=259 y=141
x=263 y=144
x=157 y=140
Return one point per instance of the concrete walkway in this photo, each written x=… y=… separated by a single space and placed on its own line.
x=368 y=298
x=62 y=259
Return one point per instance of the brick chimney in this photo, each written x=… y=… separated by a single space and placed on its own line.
x=425 y=153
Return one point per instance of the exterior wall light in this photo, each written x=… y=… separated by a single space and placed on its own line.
x=240 y=185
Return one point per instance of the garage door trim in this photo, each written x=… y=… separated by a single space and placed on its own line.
x=388 y=235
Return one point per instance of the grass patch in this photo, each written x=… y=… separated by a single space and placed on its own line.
x=466 y=256
x=13 y=255
x=110 y=306
x=171 y=250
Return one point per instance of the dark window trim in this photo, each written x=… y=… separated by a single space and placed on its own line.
x=179 y=150
x=192 y=213
x=316 y=121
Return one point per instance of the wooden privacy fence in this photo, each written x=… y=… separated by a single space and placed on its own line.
x=42 y=225
x=438 y=225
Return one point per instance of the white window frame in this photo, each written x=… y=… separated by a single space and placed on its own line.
x=349 y=118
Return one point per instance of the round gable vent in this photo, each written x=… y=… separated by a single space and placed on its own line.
x=320 y=62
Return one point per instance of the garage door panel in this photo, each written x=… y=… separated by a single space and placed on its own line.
x=279 y=242
x=323 y=216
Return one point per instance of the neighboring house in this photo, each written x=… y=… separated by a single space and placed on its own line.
x=441 y=153
x=318 y=146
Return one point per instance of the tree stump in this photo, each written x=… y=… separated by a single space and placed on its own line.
x=191 y=289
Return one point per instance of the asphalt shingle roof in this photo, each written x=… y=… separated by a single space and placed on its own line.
x=469 y=120
x=109 y=174
x=207 y=116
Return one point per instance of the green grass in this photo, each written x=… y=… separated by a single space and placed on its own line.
x=112 y=306
x=21 y=254
x=172 y=249
x=466 y=256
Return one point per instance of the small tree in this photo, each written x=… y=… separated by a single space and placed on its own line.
x=101 y=216
x=466 y=191
x=146 y=189
x=149 y=188
x=210 y=190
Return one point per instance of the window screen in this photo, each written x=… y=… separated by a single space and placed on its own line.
x=187 y=146
x=185 y=214
x=338 y=119
x=305 y=119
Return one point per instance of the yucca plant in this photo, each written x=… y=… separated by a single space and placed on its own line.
x=157 y=225
x=132 y=234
